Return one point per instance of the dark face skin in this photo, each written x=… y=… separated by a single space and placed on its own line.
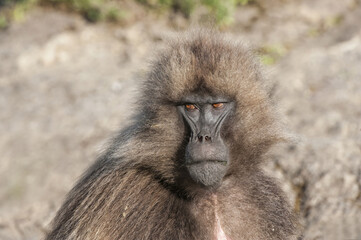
x=206 y=155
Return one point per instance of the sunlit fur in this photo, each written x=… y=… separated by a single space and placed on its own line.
x=139 y=190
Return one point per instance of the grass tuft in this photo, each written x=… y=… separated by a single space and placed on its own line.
x=107 y=10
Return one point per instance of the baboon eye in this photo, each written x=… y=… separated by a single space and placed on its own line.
x=190 y=106
x=218 y=105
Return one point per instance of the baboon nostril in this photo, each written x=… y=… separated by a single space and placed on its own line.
x=205 y=138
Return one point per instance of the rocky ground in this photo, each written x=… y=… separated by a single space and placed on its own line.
x=66 y=86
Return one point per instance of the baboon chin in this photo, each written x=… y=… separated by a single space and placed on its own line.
x=188 y=166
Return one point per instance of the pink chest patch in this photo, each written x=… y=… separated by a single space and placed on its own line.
x=220 y=235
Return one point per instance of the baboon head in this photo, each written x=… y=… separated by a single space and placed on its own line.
x=210 y=112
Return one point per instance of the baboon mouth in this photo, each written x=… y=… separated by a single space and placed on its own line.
x=221 y=162
x=207 y=172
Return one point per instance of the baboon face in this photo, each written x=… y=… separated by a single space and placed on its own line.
x=206 y=154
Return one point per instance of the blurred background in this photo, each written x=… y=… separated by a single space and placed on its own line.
x=68 y=76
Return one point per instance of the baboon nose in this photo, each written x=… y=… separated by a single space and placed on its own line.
x=204 y=138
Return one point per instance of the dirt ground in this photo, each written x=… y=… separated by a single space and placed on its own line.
x=66 y=86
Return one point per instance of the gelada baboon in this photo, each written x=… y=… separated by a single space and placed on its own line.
x=188 y=166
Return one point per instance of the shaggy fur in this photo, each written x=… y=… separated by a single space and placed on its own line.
x=139 y=190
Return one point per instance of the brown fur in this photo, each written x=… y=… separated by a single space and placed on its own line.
x=138 y=189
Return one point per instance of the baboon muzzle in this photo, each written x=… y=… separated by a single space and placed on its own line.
x=206 y=154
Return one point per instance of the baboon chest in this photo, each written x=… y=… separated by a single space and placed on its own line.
x=208 y=210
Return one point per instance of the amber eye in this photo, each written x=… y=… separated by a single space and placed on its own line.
x=190 y=106
x=217 y=105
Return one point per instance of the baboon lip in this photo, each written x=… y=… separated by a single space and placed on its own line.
x=221 y=162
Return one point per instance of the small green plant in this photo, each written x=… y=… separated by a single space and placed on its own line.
x=223 y=10
x=14 y=10
x=92 y=10
x=220 y=10
x=114 y=14
x=21 y=8
x=269 y=54
x=3 y=22
x=186 y=7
